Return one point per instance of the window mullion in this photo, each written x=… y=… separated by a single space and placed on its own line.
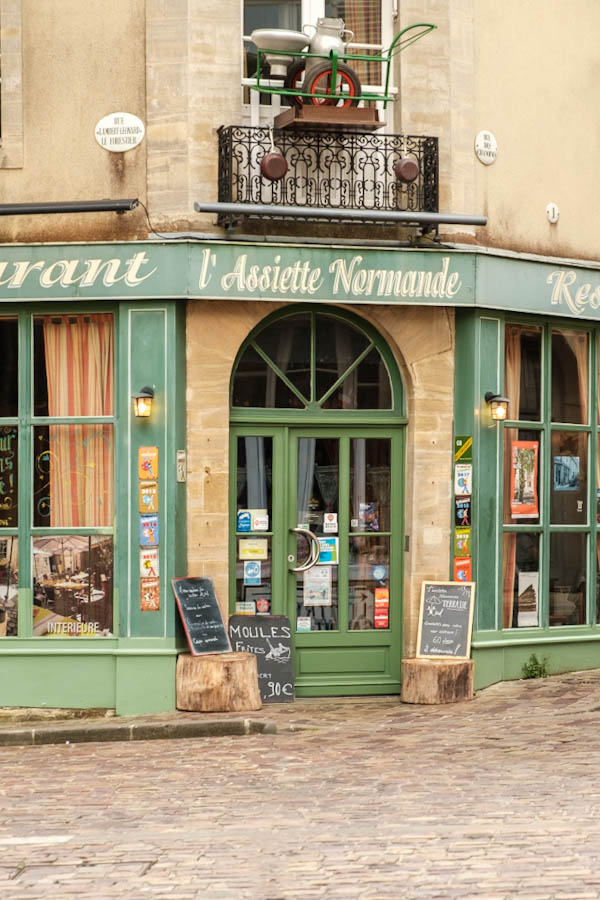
x=25 y=475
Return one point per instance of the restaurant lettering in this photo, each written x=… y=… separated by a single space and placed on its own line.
x=345 y=277
x=84 y=272
x=575 y=294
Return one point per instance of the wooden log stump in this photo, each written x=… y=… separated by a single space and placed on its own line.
x=224 y=682
x=437 y=680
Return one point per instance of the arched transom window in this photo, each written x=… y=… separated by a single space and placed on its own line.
x=314 y=361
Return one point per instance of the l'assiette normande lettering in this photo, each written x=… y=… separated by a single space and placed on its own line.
x=347 y=277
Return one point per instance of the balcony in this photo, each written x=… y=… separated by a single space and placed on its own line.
x=326 y=169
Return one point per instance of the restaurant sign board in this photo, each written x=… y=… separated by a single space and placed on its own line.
x=223 y=270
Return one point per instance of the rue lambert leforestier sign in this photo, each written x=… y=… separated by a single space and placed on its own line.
x=226 y=270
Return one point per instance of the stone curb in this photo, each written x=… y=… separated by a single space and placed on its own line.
x=132 y=731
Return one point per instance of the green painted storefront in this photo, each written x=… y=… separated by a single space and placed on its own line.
x=145 y=287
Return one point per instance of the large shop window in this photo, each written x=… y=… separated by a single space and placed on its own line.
x=551 y=479
x=57 y=474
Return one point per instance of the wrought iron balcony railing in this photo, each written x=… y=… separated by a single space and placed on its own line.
x=327 y=169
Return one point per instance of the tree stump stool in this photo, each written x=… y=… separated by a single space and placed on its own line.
x=223 y=682
x=437 y=680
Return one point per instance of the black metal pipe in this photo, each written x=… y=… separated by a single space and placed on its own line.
x=320 y=212
x=67 y=206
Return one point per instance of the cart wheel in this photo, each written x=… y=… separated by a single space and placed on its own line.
x=319 y=84
x=293 y=81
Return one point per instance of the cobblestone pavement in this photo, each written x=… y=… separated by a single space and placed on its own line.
x=352 y=798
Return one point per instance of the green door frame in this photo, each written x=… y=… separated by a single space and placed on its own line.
x=380 y=650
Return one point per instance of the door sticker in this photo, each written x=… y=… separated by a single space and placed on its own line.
x=330 y=523
x=252 y=571
x=317 y=586
x=253 y=548
x=329 y=554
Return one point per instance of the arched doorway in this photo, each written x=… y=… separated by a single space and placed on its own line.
x=317 y=463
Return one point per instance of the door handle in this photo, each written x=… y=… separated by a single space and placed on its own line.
x=315 y=549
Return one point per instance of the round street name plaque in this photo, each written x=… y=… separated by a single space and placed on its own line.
x=119 y=131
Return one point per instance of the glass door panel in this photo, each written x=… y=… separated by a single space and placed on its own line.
x=317 y=505
x=253 y=525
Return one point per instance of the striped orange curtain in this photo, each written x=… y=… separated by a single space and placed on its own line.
x=363 y=18
x=79 y=352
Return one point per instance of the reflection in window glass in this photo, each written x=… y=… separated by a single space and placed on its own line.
x=287 y=344
x=568 y=497
x=522 y=371
x=268 y=14
x=257 y=385
x=337 y=346
x=9 y=471
x=318 y=461
x=254 y=483
x=73 y=476
x=570 y=377
x=366 y=387
x=521 y=581
x=9 y=380
x=9 y=584
x=568 y=579
x=73 y=586
x=370 y=484
x=368 y=583
x=73 y=365
x=521 y=476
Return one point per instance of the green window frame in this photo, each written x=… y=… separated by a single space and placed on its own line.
x=82 y=542
x=564 y=605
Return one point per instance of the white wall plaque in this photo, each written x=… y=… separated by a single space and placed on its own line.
x=486 y=148
x=120 y=131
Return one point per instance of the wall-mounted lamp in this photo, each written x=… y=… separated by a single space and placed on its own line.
x=498 y=406
x=142 y=402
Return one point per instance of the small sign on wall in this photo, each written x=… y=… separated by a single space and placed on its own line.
x=119 y=132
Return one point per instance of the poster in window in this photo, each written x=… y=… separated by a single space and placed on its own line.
x=462 y=541
x=463 y=479
x=527 y=599
x=462 y=511
x=317 y=586
x=148 y=463
x=462 y=568
x=566 y=473
x=149 y=594
x=523 y=480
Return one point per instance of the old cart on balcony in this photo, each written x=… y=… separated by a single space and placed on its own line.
x=322 y=162
x=326 y=73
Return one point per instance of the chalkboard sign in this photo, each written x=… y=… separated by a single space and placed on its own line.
x=200 y=615
x=446 y=619
x=269 y=638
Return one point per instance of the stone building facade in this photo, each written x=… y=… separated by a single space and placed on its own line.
x=263 y=400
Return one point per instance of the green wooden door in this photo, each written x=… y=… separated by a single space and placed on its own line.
x=317 y=437
x=338 y=489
